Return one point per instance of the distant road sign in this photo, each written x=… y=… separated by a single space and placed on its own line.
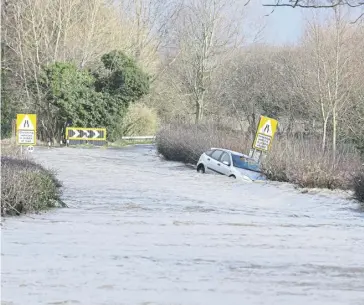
x=86 y=134
x=266 y=129
x=26 y=129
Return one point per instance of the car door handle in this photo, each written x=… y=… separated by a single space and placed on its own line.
x=208 y=159
x=218 y=164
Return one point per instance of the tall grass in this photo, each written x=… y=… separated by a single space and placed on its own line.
x=11 y=150
x=302 y=162
x=299 y=161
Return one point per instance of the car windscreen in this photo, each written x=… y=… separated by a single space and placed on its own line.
x=245 y=163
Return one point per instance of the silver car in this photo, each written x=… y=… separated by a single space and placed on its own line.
x=230 y=163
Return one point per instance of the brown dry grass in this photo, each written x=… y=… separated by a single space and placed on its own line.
x=299 y=161
x=185 y=143
x=11 y=150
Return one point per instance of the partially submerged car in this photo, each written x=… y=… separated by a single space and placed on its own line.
x=230 y=163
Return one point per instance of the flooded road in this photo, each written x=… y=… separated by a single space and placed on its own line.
x=139 y=230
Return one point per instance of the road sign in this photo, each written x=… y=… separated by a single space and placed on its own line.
x=26 y=129
x=266 y=129
x=86 y=134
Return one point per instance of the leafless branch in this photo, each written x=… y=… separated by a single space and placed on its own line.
x=318 y=4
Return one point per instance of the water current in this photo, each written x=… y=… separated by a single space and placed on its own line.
x=143 y=231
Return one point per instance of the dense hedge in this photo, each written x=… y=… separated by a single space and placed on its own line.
x=27 y=187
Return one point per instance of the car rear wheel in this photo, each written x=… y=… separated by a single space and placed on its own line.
x=201 y=169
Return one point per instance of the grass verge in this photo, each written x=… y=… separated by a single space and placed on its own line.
x=123 y=143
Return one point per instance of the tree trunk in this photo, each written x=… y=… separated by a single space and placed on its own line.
x=334 y=135
x=254 y=126
x=324 y=132
x=199 y=111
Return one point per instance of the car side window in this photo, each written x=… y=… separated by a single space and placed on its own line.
x=225 y=157
x=209 y=152
x=216 y=154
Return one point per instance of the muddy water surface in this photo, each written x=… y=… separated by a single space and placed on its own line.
x=143 y=231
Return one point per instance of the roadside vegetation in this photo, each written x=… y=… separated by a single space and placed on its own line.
x=183 y=70
x=186 y=142
x=26 y=187
x=299 y=161
x=359 y=186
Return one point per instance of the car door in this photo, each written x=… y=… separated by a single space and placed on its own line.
x=213 y=161
x=207 y=160
x=225 y=168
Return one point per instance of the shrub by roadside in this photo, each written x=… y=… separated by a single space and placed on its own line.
x=139 y=120
x=185 y=143
x=359 y=186
x=292 y=160
x=301 y=162
x=27 y=186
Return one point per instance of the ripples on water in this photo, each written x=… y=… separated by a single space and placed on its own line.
x=144 y=231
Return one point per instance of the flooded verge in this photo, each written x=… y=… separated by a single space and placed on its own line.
x=139 y=230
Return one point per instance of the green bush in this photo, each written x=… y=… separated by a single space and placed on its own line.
x=27 y=187
x=139 y=120
x=89 y=98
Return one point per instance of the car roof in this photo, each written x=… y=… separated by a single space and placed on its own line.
x=232 y=151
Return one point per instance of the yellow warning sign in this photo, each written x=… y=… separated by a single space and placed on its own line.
x=26 y=129
x=266 y=129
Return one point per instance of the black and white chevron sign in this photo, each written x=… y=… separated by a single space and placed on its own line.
x=74 y=133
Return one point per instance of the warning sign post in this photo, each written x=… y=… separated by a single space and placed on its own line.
x=267 y=127
x=26 y=129
x=262 y=142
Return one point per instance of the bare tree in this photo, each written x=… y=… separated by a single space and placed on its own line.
x=261 y=80
x=316 y=3
x=319 y=4
x=150 y=22
x=332 y=54
x=203 y=36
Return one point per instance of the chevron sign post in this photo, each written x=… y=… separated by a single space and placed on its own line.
x=78 y=135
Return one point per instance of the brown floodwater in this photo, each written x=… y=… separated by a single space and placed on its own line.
x=140 y=230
